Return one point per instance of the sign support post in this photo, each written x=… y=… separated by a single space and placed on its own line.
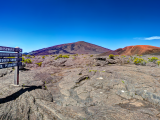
x=16 y=74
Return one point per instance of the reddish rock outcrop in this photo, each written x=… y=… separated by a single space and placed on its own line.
x=137 y=49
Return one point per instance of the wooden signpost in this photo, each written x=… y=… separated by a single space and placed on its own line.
x=11 y=60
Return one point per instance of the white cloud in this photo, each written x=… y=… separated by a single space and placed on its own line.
x=149 y=38
x=153 y=38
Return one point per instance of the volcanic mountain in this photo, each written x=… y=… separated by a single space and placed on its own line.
x=80 y=47
x=137 y=49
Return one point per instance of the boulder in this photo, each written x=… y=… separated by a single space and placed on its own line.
x=69 y=62
x=47 y=62
x=59 y=62
x=111 y=61
x=100 y=63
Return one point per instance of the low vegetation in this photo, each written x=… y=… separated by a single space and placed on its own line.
x=75 y=55
x=138 y=61
x=65 y=56
x=62 y=56
x=26 y=60
x=158 y=62
x=153 y=59
x=122 y=56
x=93 y=70
x=111 y=56
x=39 y=64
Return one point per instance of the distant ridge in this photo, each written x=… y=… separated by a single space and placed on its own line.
x=80 y=47
x=25 y=53
x=137 y=49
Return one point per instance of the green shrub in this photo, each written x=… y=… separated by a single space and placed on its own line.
x=65 y=56
x=158 y=62
x=56 y=58
x=143 y=62
x=60 y=56
x=75 y=55
x=138 y=61
x=122 y=56
x=153 y=59
x=111 y=56
x=39 y=64
x=28 y=61
x=133 y=58
x=93 y=70
x=23 y=60
x=139 y=55
x=43 y=57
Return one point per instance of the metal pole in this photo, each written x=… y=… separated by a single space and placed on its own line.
x=16 y=74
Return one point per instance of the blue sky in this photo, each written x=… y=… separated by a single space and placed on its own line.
x=113 y=24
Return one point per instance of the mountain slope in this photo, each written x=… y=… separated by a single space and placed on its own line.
x=80 y=47
x=137 y=49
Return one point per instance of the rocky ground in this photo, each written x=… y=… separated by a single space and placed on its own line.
x=82 y=88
